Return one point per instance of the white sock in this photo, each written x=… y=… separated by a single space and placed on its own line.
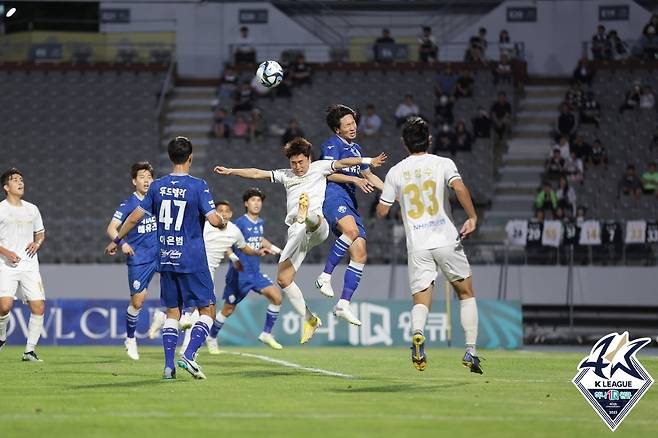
x=220 y=317
x=132 y=311
x=274 y=307
x=33 y=332
x=186 y=339
x=343 y=304
x=206 y=320
x=418 y=317
x=4 y=321
x=325 y=276
x=170 y=323
x=469 y=320
x=294 y=294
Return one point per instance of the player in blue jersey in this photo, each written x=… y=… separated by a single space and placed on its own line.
x=141 y=248
x=249 y=277
x=341 y=209
x=180 y=203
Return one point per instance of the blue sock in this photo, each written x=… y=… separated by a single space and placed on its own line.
x=169 y=341
x=131 y=321
x=270 y=317
x=200 y=331
x=352 y=279
x=217 y=325
x=341 y=245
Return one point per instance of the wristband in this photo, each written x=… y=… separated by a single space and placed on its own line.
x=366 y=160
x=118 y=241
x=233 y=257
x=275 y=249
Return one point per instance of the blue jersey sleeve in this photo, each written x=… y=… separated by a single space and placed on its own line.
x=148 y=203
x=123 y=211
x=329 y=151
x=206 y=203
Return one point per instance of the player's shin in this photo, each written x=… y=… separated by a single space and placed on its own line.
x=169 y=341
x=200 y=331
x=338 y=250
x=217 y=325
x=469 y=320
x=4 y=320
x=294 y=294
x=132 y=314
x=270 y=317
x=352 y=279
x=34 y=328
x=418 y=317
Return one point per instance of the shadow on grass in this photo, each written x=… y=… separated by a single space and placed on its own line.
x=397 y=387
x=130 y=384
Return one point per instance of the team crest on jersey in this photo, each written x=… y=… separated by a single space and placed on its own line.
x=612 y=379
x=342 y=209
x=136 y=284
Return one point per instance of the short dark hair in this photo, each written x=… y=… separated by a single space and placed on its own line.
x=8 y=174
x=298 y=146
x=179 y=149
x=141 y=165
x=222 y=202
x=416 y=135
x=251 y=192
x=337 y=112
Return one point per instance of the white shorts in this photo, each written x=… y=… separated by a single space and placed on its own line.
x=31 y=286
x=300 y=242
x=424 y=265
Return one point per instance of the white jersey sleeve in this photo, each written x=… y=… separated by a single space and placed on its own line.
x=278 y=176
x=38 y=221
x=390 y=192
x=326 y=167
x=450 y=171
x=238 y=237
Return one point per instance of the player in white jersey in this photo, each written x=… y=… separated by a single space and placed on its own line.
x=305 y=182
x=21 y=236
x=420 y=183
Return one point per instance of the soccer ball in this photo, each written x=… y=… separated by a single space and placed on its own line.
x=270 y=74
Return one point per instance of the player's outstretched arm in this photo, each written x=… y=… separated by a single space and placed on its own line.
x=464 y=198
x=249 y=173
x=355 y=161
x=374 y=180
x=272 y=248
x=361 y=183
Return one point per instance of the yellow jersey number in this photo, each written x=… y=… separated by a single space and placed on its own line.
x=417 y=196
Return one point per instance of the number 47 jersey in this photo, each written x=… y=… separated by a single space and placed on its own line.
x=420 y=183
x=180 y=203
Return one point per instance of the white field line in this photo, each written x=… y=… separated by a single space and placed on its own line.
x=290 y=364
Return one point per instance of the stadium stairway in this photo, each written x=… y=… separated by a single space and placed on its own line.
x=188 y=114
x=523 y=163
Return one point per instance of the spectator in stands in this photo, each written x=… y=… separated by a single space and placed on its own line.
x=574 y=97
x=554 y=166
x=284 y=89
x=464 y=85
x=293 y=131
x=583 y=73
x=600 y=44
x=574 y=168
x=428 y=51
x=647 y=99
x=240 y=127
x=581 y=213
x=650 y=180
x=563 y=146
x=630 y=184
x=473 y=55
x=445 y=140
x=505 y=45
x=372 y=123
x=259 y=89
x=653 y=22
x=301 y=72
x=222 y=124
x=502 y=73
x=566 y=196
x=381 y=43
x=617 y=46
x=446 y=81
x=406 y=109
x=463 y=139
x=257 y=125
x=501 y=115
x=632 y=99
x=245 y=98
x=481 y=124
x=582 y=149
x=559 y=214
x=443 y=110
x=244 y=51
x=546 y=198
x=566 y=123
x=598 y=155
x=228 y=87
x=480 y=41
x=647 y=46
x=590 y=111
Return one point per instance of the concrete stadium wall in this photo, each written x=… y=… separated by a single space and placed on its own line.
x=529 y=284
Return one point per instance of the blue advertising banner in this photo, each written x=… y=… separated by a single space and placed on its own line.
x=385 y=323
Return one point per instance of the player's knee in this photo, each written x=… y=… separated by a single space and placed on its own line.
x=5 y=309
x=228 y=310
x=276 y=299
x=352 y=233
x=283 y=282
x=37 y=307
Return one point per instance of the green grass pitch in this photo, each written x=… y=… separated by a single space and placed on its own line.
x=99 y=392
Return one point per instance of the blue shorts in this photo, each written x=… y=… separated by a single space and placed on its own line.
x=336 y=208
x=178 y=289
x=139 y=276
x=238 y=285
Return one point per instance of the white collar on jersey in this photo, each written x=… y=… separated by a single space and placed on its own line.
x=345 y=141
x=249 y=218
x=138 y=196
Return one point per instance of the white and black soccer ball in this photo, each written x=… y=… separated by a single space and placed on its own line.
x=270 y=74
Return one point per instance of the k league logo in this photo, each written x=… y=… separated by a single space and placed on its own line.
x=612 y=379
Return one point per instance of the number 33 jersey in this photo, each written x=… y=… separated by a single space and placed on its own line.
x=180 y=204
x=420 y=183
